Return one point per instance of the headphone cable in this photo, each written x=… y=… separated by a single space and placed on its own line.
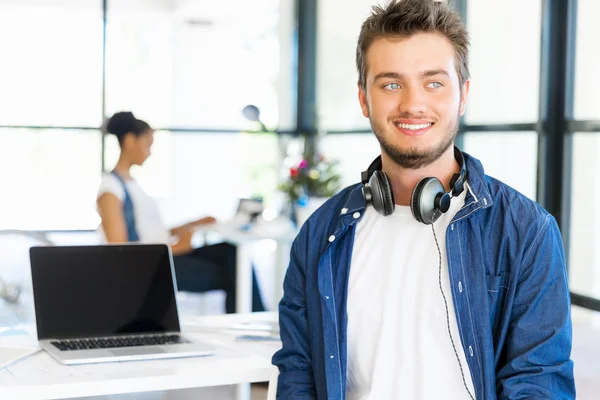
x=447 y=313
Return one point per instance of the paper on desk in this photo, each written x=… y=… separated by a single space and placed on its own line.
x=41 y=368
x=256 y=326
x=10 y=355
x=249 y=347
x=249 y=325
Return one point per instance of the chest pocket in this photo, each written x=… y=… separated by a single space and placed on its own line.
x=497 y=288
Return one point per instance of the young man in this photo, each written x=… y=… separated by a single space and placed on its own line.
x=430 y=279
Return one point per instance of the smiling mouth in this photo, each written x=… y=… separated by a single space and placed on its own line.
x=413 y=127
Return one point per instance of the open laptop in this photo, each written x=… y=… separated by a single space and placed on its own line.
x=108 y=303
x=250 y=207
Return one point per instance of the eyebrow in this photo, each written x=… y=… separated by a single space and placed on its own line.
x=424 y=74
x=434 y=72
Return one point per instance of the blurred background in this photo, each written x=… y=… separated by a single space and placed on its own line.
x=189 y=67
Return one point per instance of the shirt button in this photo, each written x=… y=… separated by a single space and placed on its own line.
x=326 y=297
x=344 y=210
x=460 y=287
x=471 y=351
x=331 y=238
x=356 y=215
x=330 y=356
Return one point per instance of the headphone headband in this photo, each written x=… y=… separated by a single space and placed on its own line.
x=376 y=165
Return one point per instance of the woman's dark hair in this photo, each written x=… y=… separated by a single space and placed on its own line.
x=124 y=122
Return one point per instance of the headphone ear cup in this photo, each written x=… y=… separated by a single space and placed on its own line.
x=423 y=200
x=415 y=200
x=388 y=195
x=381 y=192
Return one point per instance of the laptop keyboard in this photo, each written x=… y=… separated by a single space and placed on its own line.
x=120 y=341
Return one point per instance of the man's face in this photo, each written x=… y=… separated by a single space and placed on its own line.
x=413 y=97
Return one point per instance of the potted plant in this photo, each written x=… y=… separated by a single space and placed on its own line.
x=310 y=178
x=311 y=181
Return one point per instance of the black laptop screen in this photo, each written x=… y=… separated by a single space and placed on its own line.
x=85 y=291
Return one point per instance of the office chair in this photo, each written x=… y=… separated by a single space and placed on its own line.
x=15 y=274
x=272 y=390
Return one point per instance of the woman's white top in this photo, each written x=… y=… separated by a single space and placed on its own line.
x=148 y=221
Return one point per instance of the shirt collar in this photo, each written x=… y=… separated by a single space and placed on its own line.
x=477 y=185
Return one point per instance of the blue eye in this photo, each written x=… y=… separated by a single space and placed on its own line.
x=392 y=86
x=435 y=85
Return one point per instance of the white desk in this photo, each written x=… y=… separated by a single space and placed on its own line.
x=243 y=241
x=238 y=362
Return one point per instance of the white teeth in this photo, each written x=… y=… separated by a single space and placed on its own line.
x=413 y=127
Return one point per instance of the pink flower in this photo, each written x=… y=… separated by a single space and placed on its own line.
x=303 y=164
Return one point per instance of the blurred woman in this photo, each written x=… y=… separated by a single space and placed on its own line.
x=128 y=214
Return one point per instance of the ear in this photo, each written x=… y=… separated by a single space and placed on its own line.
x=463 y=96
x=362 y=99
x=128 y=140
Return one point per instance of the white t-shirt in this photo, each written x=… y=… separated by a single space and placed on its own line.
x=398 y=342
x=148 y=222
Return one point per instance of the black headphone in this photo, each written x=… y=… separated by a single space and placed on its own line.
x=428 y=201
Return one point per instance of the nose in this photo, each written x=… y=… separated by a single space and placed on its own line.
x=413 y=101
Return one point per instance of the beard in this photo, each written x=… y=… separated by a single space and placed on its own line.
x=415 y=158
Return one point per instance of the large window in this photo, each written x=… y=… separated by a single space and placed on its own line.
x=354 y=152
x=191 y=64
x=587 y=61
x=585 y=216
x=509 y=157
x=51 y=63
x=186 y=67
x=339 y=23
x=584 y=256
x=50 y=178
x=505 y=61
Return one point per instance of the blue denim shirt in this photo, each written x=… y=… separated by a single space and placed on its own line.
x=509 y=289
